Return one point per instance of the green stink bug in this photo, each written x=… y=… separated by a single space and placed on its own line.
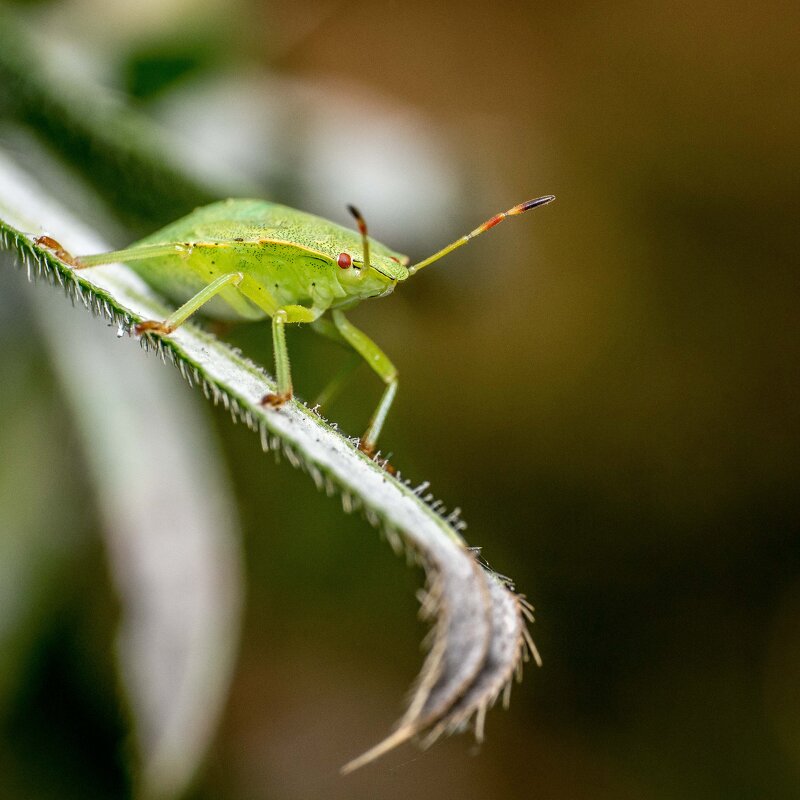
x=249 y=259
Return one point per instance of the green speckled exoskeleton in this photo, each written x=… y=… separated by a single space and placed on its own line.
x=250 y=259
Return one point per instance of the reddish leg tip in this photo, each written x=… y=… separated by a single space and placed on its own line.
x=368 y=449
x=276 y=399
x=58 y=251
x=151 y=326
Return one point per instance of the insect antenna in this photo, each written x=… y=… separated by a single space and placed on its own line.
x=490 y=223
x=362 y=228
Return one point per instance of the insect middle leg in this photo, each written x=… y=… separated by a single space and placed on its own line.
x=381 y=364
x=335 y=385
x=324 y=327
x=180 y=316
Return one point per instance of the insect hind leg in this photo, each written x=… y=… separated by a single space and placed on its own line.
x=58 y=250
x=136 y=253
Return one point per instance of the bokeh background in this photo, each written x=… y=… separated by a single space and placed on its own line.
x=607 y=387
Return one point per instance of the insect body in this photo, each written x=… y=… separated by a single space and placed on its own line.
x=250 y=259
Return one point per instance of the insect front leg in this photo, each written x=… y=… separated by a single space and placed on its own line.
x=283 y=372
x=381 y=364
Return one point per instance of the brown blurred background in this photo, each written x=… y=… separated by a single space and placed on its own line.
x=607 y=387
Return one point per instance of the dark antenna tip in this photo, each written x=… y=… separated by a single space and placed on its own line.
x=539 y=201
x=362 y=225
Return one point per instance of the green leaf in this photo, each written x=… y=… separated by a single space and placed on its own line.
x=479 y=635
x=170 y=527
x=479 y=639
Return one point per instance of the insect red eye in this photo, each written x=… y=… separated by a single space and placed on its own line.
x=344 y=261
